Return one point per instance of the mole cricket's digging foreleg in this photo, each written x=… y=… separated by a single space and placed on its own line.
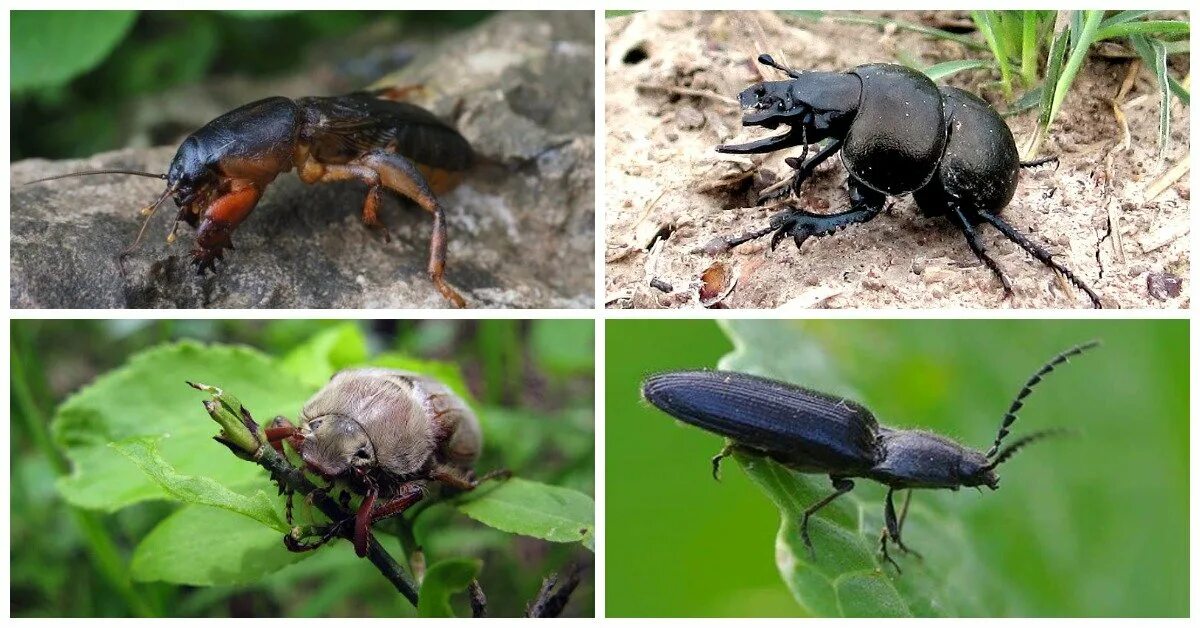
x=219 y=221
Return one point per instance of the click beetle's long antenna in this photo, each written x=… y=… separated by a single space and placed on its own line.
x=1024 y=441
x=1011 y=415
x=85 y=173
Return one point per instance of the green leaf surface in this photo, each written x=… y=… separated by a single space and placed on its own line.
x=52 y=47
x=564 y=346
x=205 y=546
x=326 y=353
x=147 y=397
x=199 y=490
x=534 y=509
x=442 y=580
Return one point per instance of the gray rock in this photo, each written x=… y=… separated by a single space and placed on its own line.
x=522 y=231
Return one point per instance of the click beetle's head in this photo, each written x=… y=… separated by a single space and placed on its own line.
x=974 y=469
x=335 y=445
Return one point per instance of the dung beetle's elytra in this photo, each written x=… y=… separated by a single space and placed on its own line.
x=220 y=172
x=387 y=434
x=898 y=133
x=812 y=432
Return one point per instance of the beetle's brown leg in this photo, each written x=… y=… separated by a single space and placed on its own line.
x=403 y=177
x=455 y=479
x=362 y=522
x=371 y=212
x=279 y=430
x=397 y=505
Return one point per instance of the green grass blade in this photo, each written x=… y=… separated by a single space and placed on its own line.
x=909 y=26
x=942 y=70
x=1029 y=47
x=1180 y=91
x=988 y=24
x=1089 y=21
x=1120 y=17
x=1155 y=57
x=1153 y=28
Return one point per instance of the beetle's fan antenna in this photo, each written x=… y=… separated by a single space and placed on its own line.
x=768 y=60
x=1011 y=415
x=1022 y=442
x=85 y=173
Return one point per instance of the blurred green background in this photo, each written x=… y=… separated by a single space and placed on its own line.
x=533 y=378
x=1091 y=526
x=76 y=75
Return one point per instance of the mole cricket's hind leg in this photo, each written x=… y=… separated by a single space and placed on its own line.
x=402 y=176
x=381 y=168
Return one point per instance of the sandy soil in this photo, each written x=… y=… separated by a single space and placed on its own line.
x=670 y=79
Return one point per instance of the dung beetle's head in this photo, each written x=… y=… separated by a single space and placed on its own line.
x=335 y=444
x=770 y=103
x=974 y=469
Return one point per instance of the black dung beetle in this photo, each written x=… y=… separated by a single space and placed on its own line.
x=898 y=133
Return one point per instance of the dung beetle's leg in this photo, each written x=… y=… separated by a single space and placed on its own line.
x=769 y=61
x=804 y=169
x=1038 y=162
x=1039 y=254
x=840 y=486
x=960 y=219
x=725 y=452
x=865 y=204
x=764 y=145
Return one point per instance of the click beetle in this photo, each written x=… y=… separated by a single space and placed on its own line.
x=813 y=432
x=898 y=133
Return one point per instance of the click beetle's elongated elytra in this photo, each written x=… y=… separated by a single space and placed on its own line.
x=812 y=432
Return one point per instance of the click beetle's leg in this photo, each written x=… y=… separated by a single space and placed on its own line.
x=725 y=452
x=892 y=525
x=883 y=551
x=960 y=219
x=840 y=486
x=865 y=204
x=764 y=145
x=219 y=221
x=1040 y=254
x=769 y=61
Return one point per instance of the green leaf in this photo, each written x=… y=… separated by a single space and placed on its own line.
x=205 y=546
x=52 y=47
x=443 y=580
x=1154 y=56
x=143 y=452
x=148 y=397
x=533 y=509
x=326 y=353
x=564 y=346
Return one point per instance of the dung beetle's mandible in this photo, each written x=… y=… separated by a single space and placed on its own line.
x=898 y=133
x=220 y=172
x=812 y=432
x=388 y=435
